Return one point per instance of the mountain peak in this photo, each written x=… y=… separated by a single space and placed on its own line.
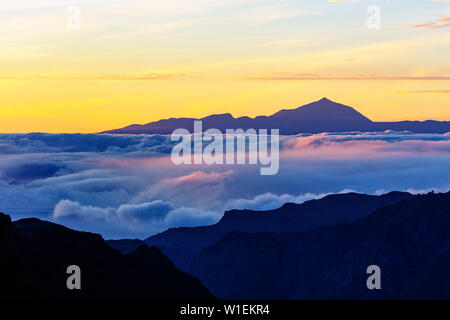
x=220 y=116
x=324 y=110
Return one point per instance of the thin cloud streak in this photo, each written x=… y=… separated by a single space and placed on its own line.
x=438 y=24
x=294 y=77
x=422 y=91
x=148 y=76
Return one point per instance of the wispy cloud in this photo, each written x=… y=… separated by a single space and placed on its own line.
x=146 y=76
x=309 y=76
x=422 y=91
x=437 y=24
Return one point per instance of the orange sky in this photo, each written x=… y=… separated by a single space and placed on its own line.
x=195 y=58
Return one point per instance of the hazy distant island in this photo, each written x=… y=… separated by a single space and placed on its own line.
x=320 y=116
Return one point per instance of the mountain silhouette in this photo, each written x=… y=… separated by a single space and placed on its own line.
x=125 y=245
x=35 y=254
x=323 y=110
x=320 y=116
x=179 y=244
x=409 y=241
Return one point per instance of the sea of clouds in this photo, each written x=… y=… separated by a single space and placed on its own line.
x=126 y=185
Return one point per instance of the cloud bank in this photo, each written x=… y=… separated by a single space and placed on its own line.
x=126 y=186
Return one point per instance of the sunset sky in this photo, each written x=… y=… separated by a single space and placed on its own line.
x=137 y=61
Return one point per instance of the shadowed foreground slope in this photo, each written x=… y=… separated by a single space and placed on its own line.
x=35 y=254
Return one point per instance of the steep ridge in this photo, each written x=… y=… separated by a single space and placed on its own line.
x=408 y=240
x=291 y=217
x=125 y=245
x=35 y=254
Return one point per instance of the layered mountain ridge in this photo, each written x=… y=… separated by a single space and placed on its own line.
x=316 y=250
x=408 y=240
x=321 y=249
x=323 y=115
x=290 y=217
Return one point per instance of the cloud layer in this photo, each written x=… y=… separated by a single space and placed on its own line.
x=126 y=186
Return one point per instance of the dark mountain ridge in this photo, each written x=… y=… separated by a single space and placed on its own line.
x=125 y=245
x=320 y=116
x=35 y=254
x=290 y=217
x=409 y=241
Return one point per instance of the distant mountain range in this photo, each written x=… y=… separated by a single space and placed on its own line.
x=320 y=249
x=35 y=254
x=320 y=116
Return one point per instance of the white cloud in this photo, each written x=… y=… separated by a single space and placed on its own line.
x=121 y=186
x=143 y=218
